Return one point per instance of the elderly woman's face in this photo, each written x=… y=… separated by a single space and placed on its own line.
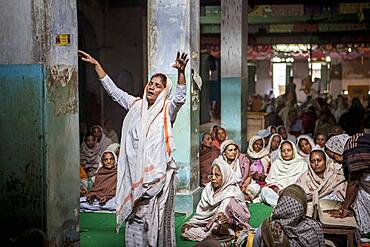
x=153 y=89
x=287 y=151
x=318 y=163
x=108 y=160
x=207 y=140
x=216 y=177
x=231 y=152
x=275 y=142
x=305 y=146
x=257 y=145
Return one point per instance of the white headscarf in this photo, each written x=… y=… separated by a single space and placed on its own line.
x=336 y=143
x=146 y=152
x=312 y=143
x=253 y=154
x=286 y=172
x=274 y=154
x=211 y=199
x=104 y=140
x=235 y=165
x=317 y=187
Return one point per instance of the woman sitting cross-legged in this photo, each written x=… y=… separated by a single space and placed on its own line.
x=221 y=210
x=104 y=187
x=322 y=179
x=288 y=225
x=284 y=172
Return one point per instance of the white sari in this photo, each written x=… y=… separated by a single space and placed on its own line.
x=146 y=167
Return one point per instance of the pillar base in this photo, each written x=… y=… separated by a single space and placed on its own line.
x=187 y=202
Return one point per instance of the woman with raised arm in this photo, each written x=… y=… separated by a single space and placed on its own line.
x=146 y=168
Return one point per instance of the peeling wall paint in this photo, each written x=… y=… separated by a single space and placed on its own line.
x=63 y=89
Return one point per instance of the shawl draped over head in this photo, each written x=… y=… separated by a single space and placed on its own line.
x=312 y=143
x=146 y=152
x=89 y=157
x=274 y=154
x=211 y=200
x=336 y=143
x=262 y=155
x=317 y=187
x=105 y=180
x=286 y=172
x=288 y=225
x=215 y=142
x=357 y=153
x=206 y=156
x=240 y=165
x=270 y=141
x=104 y=141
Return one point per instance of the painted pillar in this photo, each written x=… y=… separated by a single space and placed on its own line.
x=174 y=26
x=39 y=71
x=234 y=68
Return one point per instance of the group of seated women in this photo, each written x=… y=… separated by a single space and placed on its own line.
x=277 y=169
x=98 y=169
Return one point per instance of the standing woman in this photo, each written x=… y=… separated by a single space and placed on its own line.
x=146 y=169
x=354 y=153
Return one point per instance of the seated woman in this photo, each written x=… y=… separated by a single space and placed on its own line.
x=272 y=129
x=320 y=140
x=288 y=225
x=220 y=137
x=305 y=145
x=101 y=138
x=238 y=162
x=104 y=187
x=322 y=179
x=208 y=153
x=260 y=164
x=257 y=151
x=284 y=172
x=281 y=130
x=89 y=154
x=273 y=146
x=221 y=209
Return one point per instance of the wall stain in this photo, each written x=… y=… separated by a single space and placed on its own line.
x=63 y=89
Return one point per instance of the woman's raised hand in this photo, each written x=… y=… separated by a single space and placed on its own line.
x=181 y=61
x=86 y=57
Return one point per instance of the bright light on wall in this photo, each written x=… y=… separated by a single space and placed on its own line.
x=276 y=60
x=345 y=92
x=328 y=59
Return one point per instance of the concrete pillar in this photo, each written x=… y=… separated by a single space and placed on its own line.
x=41 y=121
x=234 y=68
x=174 y=26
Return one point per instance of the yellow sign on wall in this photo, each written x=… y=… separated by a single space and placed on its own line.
x=62 y=39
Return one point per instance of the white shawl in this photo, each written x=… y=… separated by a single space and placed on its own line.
x=262 y=155
x=211 y=200
x=312 y=143
x=145 y=153
x=284 y=173
x=104 y=140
